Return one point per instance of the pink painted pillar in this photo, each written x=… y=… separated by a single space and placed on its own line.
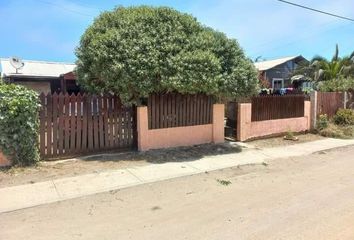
x=307 y=113
x=4 y=161
x=218 y=123
x=244 y=116
x=142 y=128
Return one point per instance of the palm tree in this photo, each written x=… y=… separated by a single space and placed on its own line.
x=320 y=69
x=348 y=65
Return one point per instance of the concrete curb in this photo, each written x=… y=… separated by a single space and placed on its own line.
x=30 y=195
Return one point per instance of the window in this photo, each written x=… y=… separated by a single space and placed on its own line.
x=277 y=83
x=307 y=85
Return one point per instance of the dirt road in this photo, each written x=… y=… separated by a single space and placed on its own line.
x=308 y=197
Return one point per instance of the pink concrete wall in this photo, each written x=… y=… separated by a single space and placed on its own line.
x=179 y=136
x=4 y=161
x=246 y=129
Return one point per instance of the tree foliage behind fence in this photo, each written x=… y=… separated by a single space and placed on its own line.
x=176 y=110
x=277 y=107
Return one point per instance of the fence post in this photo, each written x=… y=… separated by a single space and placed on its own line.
x=345 y=99
x=244 y=116
x=313 y=116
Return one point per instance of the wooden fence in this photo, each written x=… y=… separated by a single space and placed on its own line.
x=277 y=107
x=176 y=110
x=75 y=125
x=329 y=102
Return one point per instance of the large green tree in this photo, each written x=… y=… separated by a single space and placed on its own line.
x=136 y=51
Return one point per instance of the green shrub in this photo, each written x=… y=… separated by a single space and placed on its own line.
x=338 y=84
x=19 y=124
x=322 y=122
x=344 y=117
x=136 y=51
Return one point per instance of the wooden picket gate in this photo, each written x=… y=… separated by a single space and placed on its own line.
x=73 y=125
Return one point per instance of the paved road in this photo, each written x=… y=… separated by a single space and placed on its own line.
x=308 y=197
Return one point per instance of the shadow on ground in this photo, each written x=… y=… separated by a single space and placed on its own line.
x=178 y=154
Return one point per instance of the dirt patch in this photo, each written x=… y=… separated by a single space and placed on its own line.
x=45 y=171
x=307 y=197
x=279 y=141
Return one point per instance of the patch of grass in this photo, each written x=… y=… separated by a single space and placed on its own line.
x=223 y=182
x=14 y=170
x=337 y=131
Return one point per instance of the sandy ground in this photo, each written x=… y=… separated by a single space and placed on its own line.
x=48 y=170
x=310 y=197
x=67 y=168
x=279 y=141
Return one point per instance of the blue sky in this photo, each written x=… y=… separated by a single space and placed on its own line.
x=51 y=29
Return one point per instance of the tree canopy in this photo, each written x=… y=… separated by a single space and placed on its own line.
x=136 y=51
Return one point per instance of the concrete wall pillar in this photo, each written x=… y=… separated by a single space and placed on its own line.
x=307 y=113
x=244 y=116
x=142 y=128
x=218 y=123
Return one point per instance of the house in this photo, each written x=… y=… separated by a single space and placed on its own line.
x=276 y=74
x=41 y=76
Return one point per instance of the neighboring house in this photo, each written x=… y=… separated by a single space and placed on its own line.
x=47 y=77
x=277 y=72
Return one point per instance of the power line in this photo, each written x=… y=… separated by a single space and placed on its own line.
x=66 y=9
x=316 y=10
x=305 y=35
x=297 y=40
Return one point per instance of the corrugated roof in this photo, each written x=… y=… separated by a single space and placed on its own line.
x=265 y=65
x=36 y=68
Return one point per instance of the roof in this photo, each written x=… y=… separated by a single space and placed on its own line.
x=36 y=68
x=265 y=65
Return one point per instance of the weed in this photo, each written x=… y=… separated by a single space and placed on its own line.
x=289 y=134
x=322 y=122
x=223 y=182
